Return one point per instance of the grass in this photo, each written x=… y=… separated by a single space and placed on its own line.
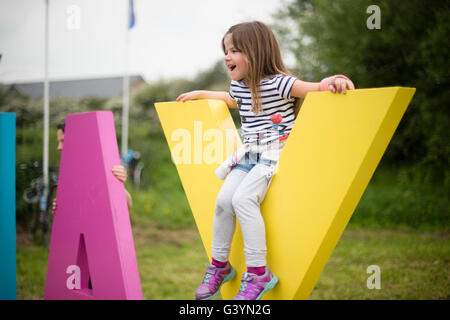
x=414 y=265
x=31 y=267
x=401 y=198
x=171 y=263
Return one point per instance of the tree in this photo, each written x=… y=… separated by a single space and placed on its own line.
x=331 y=37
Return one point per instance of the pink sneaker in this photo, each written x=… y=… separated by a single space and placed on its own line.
x=214 y=278
x=254 y=286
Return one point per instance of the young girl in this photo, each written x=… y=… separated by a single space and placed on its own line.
x=263 y=90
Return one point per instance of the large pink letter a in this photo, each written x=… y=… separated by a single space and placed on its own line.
x=92 y=249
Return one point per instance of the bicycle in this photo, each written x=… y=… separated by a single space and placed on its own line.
x=39 y=200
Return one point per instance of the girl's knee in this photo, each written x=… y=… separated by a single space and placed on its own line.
x=241 y=201
x=224 y=204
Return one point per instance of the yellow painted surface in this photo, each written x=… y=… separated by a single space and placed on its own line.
x=328 y=161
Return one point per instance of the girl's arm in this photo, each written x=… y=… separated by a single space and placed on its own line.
x=203 y=94
x=334 y=84
x=129 y=200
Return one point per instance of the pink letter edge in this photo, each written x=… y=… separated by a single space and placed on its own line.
x=91 y=227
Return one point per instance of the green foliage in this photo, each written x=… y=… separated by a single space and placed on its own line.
x=213 y=79
x=409 y=50
x=28 y=112
x=402 y=198
x=160 y=197
x=144 y=98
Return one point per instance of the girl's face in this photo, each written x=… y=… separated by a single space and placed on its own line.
x=235 y=60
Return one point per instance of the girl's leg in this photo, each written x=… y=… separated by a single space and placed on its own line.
x=246 y=204
x=224 y=217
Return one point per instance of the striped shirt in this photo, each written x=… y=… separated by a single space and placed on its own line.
x=275 y=93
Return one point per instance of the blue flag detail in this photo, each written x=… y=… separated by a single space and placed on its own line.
x=132 y=18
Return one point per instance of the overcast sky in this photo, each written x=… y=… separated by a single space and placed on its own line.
x=171 y=38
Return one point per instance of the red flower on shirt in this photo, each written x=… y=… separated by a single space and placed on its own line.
x=276 y=118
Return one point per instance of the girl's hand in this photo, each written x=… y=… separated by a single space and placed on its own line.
x=120 y=172
x=338 y=83
x=54 y=206
x=192 y=95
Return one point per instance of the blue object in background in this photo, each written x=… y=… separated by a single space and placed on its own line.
x=8 y=206
x=128 y=156
x=132 y=18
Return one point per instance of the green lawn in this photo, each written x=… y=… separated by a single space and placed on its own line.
x=414 y=265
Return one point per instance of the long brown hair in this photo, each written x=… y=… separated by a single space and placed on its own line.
x=260 y=47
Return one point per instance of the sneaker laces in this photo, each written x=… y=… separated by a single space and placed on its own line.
x=251 y=287
x=245 y=280
x=207 y=278
x=243 y=286
x=210 y=272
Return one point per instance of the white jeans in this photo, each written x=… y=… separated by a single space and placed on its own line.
x=240 y=196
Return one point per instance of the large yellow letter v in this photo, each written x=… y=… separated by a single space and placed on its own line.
x=328 y=161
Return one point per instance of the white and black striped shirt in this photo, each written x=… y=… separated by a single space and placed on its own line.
x=275 y=93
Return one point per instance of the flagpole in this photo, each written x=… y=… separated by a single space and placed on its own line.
x=126 y=92
x=46 y=100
